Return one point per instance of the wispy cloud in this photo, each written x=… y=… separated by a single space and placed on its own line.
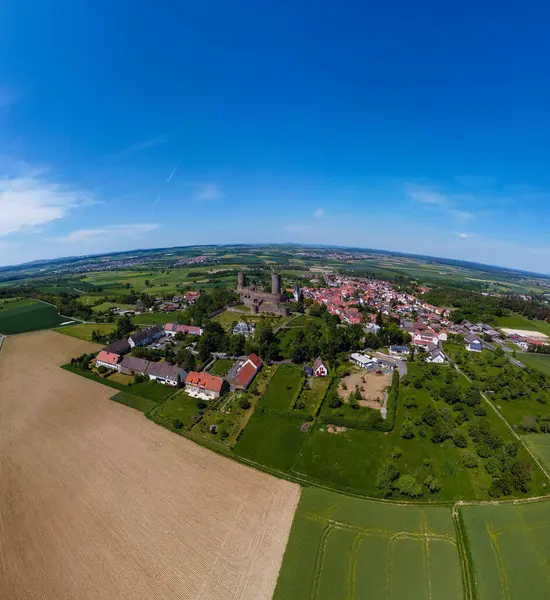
x=28 y=199
x=140 y=146
x=449 y=204
x=156 y=201
x=132 y=230
x=319 y=213
x=463 y=235
x=207 y=191
x=172 y=173
x=8 y=95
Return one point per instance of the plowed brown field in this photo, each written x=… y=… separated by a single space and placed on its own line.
x=98 y=503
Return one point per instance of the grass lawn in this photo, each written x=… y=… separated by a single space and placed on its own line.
x=283 y=388
x=303 y=320
x=142 y=404
x=221 y=366
x=311 y=397
x=11 y=303
x=84 y=330
x=228 y=317
x=517 y=321
x=271 y=440
x=179 y=406
x=540 y=445
x=341 y=547
x=30 y=316
x=510 y=549
x=160 y=318
x=538 y=361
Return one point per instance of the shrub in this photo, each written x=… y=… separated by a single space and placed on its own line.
x=408 y=486
x=460 y=440
x=177 y=423
x=480 y=411
x=469 y=460
x=245 y=403
x=201 y=404
x=396 y=452
x=433 y=484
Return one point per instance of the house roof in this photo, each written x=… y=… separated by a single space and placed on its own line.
x=119 y=347
x=166 y=371
x=319 y=363
x=255 y=360
x=132 y=363
x=109 y=358
x=204 y=381
x=183 y=328
x=146 y=333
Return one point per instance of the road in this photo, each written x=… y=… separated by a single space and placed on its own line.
x=400 y=364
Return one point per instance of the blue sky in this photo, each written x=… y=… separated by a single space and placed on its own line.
x=421 y=127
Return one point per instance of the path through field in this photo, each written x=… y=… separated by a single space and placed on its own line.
x=97 y=502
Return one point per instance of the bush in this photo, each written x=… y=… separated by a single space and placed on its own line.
x=479 y=411
x=101 y=370
x=396 y=452
x=177 y=423
x=201 y=404
x=245 y=403
x=460 y=440
x=408 y=486
x=469 y=460
x=433 y=484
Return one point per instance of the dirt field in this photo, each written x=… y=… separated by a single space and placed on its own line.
x=98 y=503
x=373 y=387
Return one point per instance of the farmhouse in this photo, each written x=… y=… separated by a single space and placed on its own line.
x=204 y=385
x=173 y=328
x=146 y=336
x=242 y=373
x=109 y=360
x=319 y=368
x=121 y=347
x=131 y=365
x=166 y=373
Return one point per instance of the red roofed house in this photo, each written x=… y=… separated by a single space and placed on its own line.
x=319 y=368
x=109 y=360
x=204 y=385
x=173 y=328
x=242 y=373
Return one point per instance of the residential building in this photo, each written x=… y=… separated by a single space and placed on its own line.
x=243 y=372
x=120 y=347
x=243 y=328
x=474 y=345
x=173 y=328
x=146 y=336
x=436 y=356
x=522 y=345
x=132 y=365
x=109 y=360
x=166 y=373
x=400 y=350
x=319 y=368
x=204 y=385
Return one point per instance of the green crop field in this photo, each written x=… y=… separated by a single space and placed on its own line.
x=343 y=548
x=108 y=305
x=84 y=330
x=510 y=549
x=540 y=445
x=283 y=387
x=517 y=321
x=11 y=303
x=31 y=316
x=221 y=366
x=538 y=361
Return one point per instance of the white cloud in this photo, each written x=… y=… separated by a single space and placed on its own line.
x=132 y=230
x=448 y=204
x=319 y=213
x=207 y=191
x=139 y=146
x=463 y=235
x=28 y=200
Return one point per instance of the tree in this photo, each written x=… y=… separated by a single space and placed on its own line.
x=408 y=486
x=245 y=404
x=407 y=429
x=387 y=474
x=460 y=440
x=334 y=400
x=469 y=460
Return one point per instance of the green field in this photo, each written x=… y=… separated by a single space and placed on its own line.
x=221 y=366
x=343 y=548
x=139 y=403
x=84 y=331
x=31 y=316
x=539 y=443
x=510 y=549
x=179 y=407
x=538 y=361
x=104 y=306
x=271 y=440
x=517 y=321
x=11 y=303
x=283 y=388
x=160 y=318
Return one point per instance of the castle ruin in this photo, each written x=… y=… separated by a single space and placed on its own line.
x=259 y=301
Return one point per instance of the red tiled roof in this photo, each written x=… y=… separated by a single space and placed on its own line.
x=108 y=357
x=246 y=374
x=255 y=360
x=204 y=381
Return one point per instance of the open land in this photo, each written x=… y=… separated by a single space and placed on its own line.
x=522 y=324
x=84 y=331
x=372 y=387
x=99 y=503
x=537 y=335
x=342 y=547
x=29 y=316
x=538 y=361
x=510 y=549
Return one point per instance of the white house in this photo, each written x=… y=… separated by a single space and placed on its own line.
x=436 y=356
x=109 y=360
x=522 y=345
x=319 y=368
